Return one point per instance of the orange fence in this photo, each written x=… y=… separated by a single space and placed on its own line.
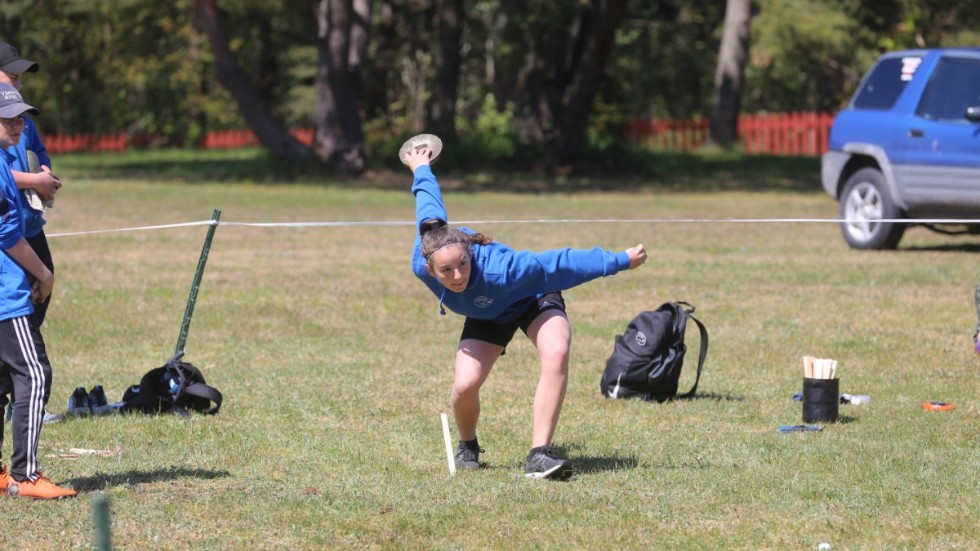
x=796 y=134
x=86 y=142
x=121 y=141
x=233 y=139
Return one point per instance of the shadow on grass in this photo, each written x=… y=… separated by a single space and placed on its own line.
x=947 y=248
x=715 y=397
x=635 y=171
x=100 y=481
x=592 y=464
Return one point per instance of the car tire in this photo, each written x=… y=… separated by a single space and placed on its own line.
x=863 y=204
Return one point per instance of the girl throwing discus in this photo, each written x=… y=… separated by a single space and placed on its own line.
x=498 y=290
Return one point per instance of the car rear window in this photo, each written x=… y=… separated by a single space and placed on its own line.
x=954 y=86
x=885 y=82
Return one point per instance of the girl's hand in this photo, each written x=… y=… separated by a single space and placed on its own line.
x=638 y=255
x=417 y=157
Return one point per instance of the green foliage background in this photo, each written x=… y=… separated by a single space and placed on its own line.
x=142 y=67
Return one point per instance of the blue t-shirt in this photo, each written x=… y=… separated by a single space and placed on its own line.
x=504 y=282
x=15 y=292
x=30 y=140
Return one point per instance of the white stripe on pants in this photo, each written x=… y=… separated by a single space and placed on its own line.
x=24 y=359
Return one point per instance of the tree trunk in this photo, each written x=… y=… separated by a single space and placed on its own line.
x=338 y=136
x=732 y=56
x=598 y=32
x=270 y=132
x=359 y=38
x=552 y=67
x=442 y=110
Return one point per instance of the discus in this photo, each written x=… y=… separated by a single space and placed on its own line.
x=937 y=406
x=34 y=166
x=422 y=140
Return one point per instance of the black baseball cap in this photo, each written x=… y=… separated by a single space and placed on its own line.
x=12 y=104
x=11 y=62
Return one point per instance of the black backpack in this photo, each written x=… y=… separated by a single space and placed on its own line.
x=647 y=359
x=172 y=388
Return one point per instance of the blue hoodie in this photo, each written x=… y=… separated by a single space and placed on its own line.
x=503 y=282
x=15 y=293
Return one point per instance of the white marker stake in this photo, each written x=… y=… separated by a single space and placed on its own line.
x=449 y=444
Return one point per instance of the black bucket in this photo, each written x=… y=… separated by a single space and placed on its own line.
x=821 y=400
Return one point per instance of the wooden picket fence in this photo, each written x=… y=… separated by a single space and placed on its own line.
x=791 y=134
x=795 y=134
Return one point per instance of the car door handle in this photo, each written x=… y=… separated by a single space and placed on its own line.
x=916 y=133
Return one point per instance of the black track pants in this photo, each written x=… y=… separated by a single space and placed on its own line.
x=25 y=370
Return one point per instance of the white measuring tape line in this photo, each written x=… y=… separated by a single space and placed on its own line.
x=378 y=223
x=140 y=228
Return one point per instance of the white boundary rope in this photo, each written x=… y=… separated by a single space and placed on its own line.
x=383 y=223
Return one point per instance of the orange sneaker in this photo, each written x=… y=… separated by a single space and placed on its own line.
x=42 y=488
x=5 y=479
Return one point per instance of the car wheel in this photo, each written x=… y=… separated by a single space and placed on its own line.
x=864 y=203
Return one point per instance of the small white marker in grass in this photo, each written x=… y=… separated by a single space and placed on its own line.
x=449 y=444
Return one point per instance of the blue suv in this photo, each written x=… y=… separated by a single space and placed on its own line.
x=908 y=147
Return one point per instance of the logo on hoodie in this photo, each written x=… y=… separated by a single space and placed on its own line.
x=482 y=301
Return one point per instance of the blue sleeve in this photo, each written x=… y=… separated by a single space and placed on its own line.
x=560 y=269
x=428 y=197
x=10 y=230
x=32 y=141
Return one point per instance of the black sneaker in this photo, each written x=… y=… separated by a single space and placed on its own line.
x=97 y=396
x=542 y=463
x=79 y=403
x=468 y=455
x=98 y=401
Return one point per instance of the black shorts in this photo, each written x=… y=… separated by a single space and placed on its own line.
x=502 y=333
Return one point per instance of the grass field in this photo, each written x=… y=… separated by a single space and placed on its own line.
x=335 y=365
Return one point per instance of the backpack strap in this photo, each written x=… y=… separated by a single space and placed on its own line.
x=210 y=393
x=701 y=355
x=191 y=383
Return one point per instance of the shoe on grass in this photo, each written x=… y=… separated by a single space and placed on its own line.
x=98 y=402
x=79 y=403
x=5 y=479
x=47 y=420
x=542 y=463
x=468 y=455
x=42 y=488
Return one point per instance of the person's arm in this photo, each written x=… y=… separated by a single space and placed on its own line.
x=428 y=196
x=23 y=254
x=44 y=183
x=561 y=269
x=12 y=241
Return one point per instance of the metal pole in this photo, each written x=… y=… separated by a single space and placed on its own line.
x=100 y=517
x=185 y=325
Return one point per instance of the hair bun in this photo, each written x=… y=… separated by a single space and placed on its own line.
x=431 y=224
